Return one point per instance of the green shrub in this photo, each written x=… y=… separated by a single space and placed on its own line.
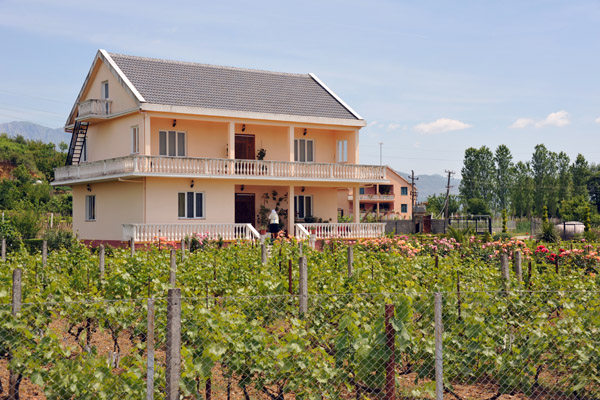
x=27 y=222
x=58 y=239
x=33 y=245
x=548 y=233
x=12 y=236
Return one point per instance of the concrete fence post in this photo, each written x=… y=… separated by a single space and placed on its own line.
x=14 y=379
x=263 y=254
x=3 y=249
x=173 y=268
x=504 y=267
x=518 y=265
x=439 y=354
x=150 y=350
x=301 y=249
x=390 y=365
x=183 y=249
x=350 y=261
x=101 y=262
x=44 y=253
x=173 y=345
x=303 y=286
x=132 y=245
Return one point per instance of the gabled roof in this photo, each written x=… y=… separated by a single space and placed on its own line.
x=188 y=84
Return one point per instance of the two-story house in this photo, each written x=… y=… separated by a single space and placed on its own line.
x=391 y=200
x=167 y=149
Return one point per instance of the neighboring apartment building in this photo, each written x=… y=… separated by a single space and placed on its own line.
x=390 y=200
x=166 y=148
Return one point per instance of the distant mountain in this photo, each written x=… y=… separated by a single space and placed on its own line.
x=432 y=184
x=32 y=131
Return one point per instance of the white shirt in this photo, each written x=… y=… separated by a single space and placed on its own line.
x=273 y=218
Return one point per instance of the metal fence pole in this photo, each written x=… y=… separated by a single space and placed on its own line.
x=173 y=268
x=350 y=261
x=173 y=346
x=150 y=348
x=44 y=253
x=14 y=379
x=439 y=355
x=303 y=286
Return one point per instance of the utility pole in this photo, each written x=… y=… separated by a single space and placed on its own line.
x=413 y=191
x=447 y=202
x=380 y=153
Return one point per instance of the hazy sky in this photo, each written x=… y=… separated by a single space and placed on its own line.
x=431 y=78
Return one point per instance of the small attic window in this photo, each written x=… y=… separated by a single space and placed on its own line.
x=104 y=87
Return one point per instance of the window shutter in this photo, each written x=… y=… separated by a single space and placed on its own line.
x=162 y=143
x=308 y=209
x=181 y=205
x=310 y=151
x=199 y=205
x=181 y=144
x=172 y=143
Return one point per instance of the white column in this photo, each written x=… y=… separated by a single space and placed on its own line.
x=291 y=142
x=356 y=136
x=231 y=141
x=291 y=211
x=147 y=136
x=356 y=203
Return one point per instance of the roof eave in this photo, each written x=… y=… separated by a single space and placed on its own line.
x=335 y=96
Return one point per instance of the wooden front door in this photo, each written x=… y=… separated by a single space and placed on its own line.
x=244 y=147
x=244 y=208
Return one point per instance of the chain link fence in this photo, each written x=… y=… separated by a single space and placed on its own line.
x=461 y=345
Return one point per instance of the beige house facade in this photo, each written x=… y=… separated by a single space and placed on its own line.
x=170 y=149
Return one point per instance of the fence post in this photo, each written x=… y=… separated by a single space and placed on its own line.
x=263 y=253
x=173 y=268
x=101 y=262
x=182 y=249
x=518 y=266
x=301 y=249
x=150 y=349
x=303 y=286
x=350 y=261
x=312 y=241
x=14 y=379
x=173 y=347
x=3 y=249
x=504 y=267
x=44 y=253
x=439 y=354
x=390 y=365
x=290 y=280
x=132 y=245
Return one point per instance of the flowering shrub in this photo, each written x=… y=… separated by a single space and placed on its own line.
x=398 y=244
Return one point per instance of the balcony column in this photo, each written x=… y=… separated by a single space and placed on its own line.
x=356 y=137
x=147 y=150
x=356 y=203
x=291 y=142
x=291 y=211
x=231 y=141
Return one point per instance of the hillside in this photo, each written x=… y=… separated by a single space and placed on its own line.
x=432 y=184
x=32 y=131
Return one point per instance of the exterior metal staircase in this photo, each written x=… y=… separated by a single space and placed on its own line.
x=77 y=142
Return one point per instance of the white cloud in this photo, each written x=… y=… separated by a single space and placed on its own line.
x=441 y=125
x=522 y=123
x=393 y=126
x=372 y=123
x=597 y=120
x=559 y=118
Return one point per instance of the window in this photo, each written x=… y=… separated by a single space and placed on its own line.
x=342 y=151
x=83 y=157
x=303 y=206
x=361 y=190
x=104 y=88
x=90 y=208
x=304 y=150
x=404 y=208
x=171 y=143
x=135 y=139
x=190 y=205
x=404 y=191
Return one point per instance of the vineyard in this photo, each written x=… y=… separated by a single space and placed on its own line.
x=92 y=329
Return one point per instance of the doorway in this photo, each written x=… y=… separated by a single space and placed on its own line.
x=244 y=208
x=244 y=147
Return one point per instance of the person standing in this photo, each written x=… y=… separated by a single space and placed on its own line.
x=273 y=224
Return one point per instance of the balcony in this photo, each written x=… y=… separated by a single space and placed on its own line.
x=186 y=167
x=176 y=232
x=94 y=108
x=373 y=197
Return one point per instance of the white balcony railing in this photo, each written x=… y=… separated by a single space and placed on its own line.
x=176 y=232
x=210 y=167
x=340 y=231
x=373 y=197
x=94 y=107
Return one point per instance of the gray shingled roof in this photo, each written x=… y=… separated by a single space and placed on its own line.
x=226 y=88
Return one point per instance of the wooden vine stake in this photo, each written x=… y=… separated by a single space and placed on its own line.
x=101 y=262
x=290 y=279
x=390 y=365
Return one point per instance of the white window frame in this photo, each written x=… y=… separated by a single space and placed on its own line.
x=135 y=139
x=194 y=196
x=342 y=151
x=304 y=156
x=105 y=92
x=90 y=207
x=405 y=206
x=403 y=189
x=167 y=149
x=307 y=199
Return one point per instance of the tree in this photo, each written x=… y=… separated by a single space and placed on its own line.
x=504 y=177
x=564 y=176
x=581 y=173
x=435 y=204
x=522 y=190
x=477 y=206
x=477 y=173
x=576 y=209
x=543 y=165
